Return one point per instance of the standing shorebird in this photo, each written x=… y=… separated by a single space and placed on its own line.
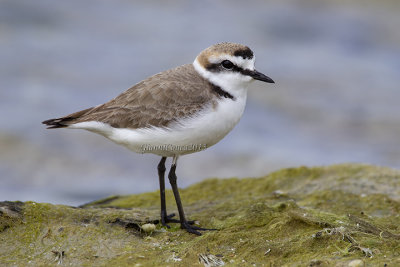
x=176 y=112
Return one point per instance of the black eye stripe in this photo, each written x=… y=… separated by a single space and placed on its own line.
x=237 y=69
x=217 y=67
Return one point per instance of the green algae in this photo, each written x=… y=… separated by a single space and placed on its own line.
x=322 y=216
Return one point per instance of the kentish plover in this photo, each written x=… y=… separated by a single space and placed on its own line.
x=176 y=112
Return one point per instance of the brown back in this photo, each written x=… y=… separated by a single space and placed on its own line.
x=155 y=101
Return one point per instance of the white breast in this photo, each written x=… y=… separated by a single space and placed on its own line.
x=183 y=137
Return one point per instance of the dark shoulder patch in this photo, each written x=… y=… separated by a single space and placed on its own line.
x=221 y=92
x=244 y=53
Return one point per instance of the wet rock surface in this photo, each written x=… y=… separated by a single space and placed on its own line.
x=341 y=215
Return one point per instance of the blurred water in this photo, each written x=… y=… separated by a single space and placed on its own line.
x=336 y=64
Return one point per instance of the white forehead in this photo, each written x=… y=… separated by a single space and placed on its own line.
x=237 y=60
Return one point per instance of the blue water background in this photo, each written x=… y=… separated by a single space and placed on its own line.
x=336 y=99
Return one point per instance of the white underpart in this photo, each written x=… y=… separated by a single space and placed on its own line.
x=188 y=135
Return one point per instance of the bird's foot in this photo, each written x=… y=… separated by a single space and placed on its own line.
x=194 y=229
x=168 y=219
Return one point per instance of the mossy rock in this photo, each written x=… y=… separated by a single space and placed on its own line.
x=342 y=215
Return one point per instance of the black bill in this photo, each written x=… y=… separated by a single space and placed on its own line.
x=258 y=76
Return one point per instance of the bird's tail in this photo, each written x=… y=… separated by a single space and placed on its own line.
x=64 y=122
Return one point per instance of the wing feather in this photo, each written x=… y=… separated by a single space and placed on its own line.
x=156 y=101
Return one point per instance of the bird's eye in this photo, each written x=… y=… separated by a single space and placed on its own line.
x=227 y=64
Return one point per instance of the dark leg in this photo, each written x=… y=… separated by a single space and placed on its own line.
x=184 y=223
x=165 y=218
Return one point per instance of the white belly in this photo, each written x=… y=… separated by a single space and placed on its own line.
x=184 y=137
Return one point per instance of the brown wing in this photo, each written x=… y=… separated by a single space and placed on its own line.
x=156 y=101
